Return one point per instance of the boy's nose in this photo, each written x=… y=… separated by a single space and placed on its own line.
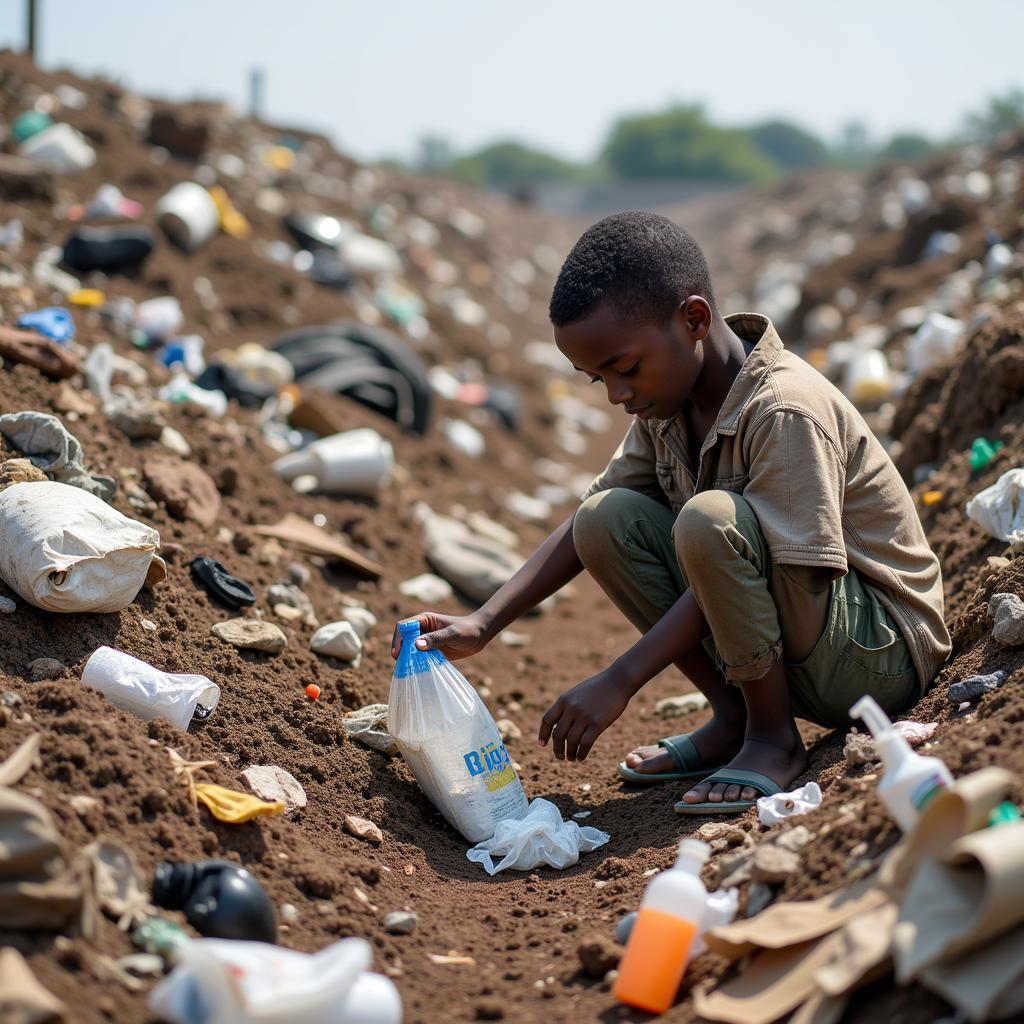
x=619 y=394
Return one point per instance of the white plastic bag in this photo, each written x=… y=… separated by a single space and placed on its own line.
x=136 y=686
x=935 y=340
x=450 y=741
x=66 y=550
x=228 y=981
x=541 y=837
x=999 y=509
x=773 y=809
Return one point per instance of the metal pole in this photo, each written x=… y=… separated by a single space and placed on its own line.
x=31 y=23
x=256 y=84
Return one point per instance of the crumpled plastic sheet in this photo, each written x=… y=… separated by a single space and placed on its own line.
x=773 y=809
x=999 y=509
x=541 y=837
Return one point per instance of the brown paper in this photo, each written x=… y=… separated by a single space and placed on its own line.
x=294 y=529
x=866 y=951
x=820 y=1009
x=23 y=1000
x=16 y=767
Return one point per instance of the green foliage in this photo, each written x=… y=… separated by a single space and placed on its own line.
x=788 y=145
x=680 y=143
x=1003 y=113
x=511 y=163
x=906 y=146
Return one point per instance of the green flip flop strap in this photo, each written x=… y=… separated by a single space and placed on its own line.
x=683 y=752
x=743 y=777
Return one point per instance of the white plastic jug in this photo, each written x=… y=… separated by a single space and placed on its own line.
x=353 y=462
x=450 y=742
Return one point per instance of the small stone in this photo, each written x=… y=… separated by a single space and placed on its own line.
x=148 y=624
x=270 y=782
x=45 y=668
x=400 y=922
x=10 y=699
x=361 y=828
x=426 y=588
x=291 y=595
x=772 y=864
x=155 y=801
x=289 y=913
x=20 y=471
x=759 y=896
x=859 y=748
x=511 y=639
x=362 y=620
x=489 y=1009
x=580 y=815
x=795 y=839
x=7 y=606
x=1008 y=612
x=299 y=574
x=336 y=640
x=175 y=442
x=251 y=635
x=598 y=955
x=287 y=612
x=673 y=707
x=974 y=687
x=508 y=730
x=624 y=928
x=82 y=804
x=734 y=868
x=994 y=564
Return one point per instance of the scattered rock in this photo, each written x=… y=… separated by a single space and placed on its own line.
x=7 y=606
x=290 y=595
x=46 y=356
x=362 y=620
x=10 y=699
x=727 y=830
x=287 y=612
x=673 y=707
x=624 y=928
x=511 y=639
x=20 y=471
x=251 y=634
x=734 y=868
x=185 y=489
x=426 y=588
x=400 y=922
x=45 y=668
x=974 y=687
x=508 y=730
x=138 y=420
x=299 y=574
x=337 y=640
x=174 y=441
x=269 y=782
x=773 y=864
x=759 y=896
x=1008 y=611
x=795 y=839
x=148 y=624
x=288 y=912
x=994 y=564
x=598 y=955
x=362 y=828
x=489 y=1009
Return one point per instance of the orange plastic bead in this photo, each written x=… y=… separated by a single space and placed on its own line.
x=931 y=497
x=313 y=691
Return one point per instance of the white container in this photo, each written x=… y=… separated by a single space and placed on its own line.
x=61 y=147
x=354 y=462
x=136 y=686
x=159 y=318
x=236 y=982
x=450 y=742
x=909 y=781
x=868 y=378
x=934 y=341
x=188 y=215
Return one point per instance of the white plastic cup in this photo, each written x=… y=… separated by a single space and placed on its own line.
x=188 y=215
x=354 y=462
x=61 y=147
x=372 y=999
x=136 y=686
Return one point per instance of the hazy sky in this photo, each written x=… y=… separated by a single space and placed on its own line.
x=377 y=75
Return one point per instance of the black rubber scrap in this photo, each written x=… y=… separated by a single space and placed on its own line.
x=220 y=584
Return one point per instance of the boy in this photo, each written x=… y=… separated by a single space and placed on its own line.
x=749 y=525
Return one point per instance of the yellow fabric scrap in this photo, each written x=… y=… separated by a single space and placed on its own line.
x=233 y=807
x=87 y=297
x=232 y=222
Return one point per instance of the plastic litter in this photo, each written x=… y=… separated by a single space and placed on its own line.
x=107 y=202
x=450 y=742
x=61 y=147
x=999 y=509
x=107 y=248
x=773 y=809
x=52 y=322
x=65 y=550
x=982 y=453
x=217 y=981
x=540 y=837
x=354 y=462
x=30 y=123
x=233 y=807
x=159 y=318
x=188 y=215
x=136 y=686
x=369 y=725
x=935 y=340
x=220 y=584
x=219 y=899
x=180 y=390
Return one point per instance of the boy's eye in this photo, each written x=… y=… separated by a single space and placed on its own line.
x=631 y=372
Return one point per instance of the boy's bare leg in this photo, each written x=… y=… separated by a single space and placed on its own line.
x=717 y=740
x=771 y=743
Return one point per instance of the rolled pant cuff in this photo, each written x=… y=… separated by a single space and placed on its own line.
x=755 y=669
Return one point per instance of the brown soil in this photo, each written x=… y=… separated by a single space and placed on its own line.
x=521 y=930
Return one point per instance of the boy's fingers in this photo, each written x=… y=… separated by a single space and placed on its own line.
x=436 y=639
x=396 y=643
x=547 y=723
x=559 y=734
x=572 y=740
x=588 y=740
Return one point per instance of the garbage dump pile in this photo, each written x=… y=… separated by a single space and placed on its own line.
x=259 y=402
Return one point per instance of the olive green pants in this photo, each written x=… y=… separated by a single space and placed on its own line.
x=838 y=643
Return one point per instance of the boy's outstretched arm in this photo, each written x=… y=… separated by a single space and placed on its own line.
x=580 y=715
x=547 y=570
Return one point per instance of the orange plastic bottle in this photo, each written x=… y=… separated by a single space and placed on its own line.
x=670 y=914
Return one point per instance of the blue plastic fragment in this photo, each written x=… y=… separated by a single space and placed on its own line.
x=53 y=322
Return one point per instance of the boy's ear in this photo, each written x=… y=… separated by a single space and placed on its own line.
x=697 y=315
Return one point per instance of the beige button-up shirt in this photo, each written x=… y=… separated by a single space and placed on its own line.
x=822 y=486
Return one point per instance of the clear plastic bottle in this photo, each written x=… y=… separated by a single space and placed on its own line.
x=669 y=918
x=450 y=742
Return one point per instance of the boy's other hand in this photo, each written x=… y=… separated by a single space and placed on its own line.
x=455 y=636
x=581 y=714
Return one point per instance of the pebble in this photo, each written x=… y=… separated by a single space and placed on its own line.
x=289 y=913
x=173 y=440
x=362 y=828
x=337 y=640
x=287 y=612
x=734 y=868
x=45 y=668
x=974 y=687
x=251 y=635
x=299 y=574
x=7 y=606
x=727 y=830
x=508 y=730
x=270 y=782
x=1008 y=611
x=400 y=922
x=795 y=839
x=362 y=620
x=511 y=639
x=426 y=588
x=672 y=707
x=624 y=928
x=759 y=896
x=10 y=699
x=291 y=595
x=772 y=864
x=598 y=955
x=148 y=625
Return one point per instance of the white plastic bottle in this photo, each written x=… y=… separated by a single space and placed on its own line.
x=909 y=780
x=450 y=742
x=669 y=919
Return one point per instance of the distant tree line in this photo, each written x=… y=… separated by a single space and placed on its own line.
x=681 y=142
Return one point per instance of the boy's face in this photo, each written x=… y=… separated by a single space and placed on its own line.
x=647 y=368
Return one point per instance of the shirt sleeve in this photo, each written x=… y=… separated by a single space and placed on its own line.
x=796 y=489
x=632 y=466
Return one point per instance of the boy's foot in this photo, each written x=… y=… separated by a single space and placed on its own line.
x=716 y=742
x=781 y=764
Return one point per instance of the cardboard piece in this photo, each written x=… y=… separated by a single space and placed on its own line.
x=23 y=1000
x=293 y=529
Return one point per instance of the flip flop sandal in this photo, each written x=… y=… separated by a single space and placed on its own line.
x=687 y=760
x=736 y=776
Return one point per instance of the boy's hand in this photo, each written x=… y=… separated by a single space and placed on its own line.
x=455 y=636
x=581 y=714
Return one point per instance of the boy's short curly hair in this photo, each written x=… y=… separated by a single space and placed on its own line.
x=642 y=263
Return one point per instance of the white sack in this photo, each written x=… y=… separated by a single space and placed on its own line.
x=773 y=809
x=65 y=550
x=541 y=837
x=999 y=508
